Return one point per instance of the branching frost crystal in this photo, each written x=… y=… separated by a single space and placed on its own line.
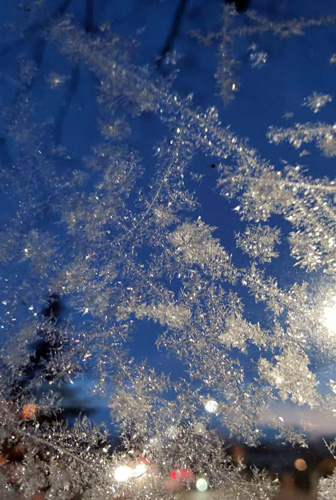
x=135 y=215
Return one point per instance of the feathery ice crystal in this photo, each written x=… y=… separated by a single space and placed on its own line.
x=122 y=234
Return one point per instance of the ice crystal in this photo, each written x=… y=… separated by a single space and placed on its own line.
x=114 y=245
x=332 y=59
x=327 y=487
x=316 y=101
x=323 y=134
x=259 y=241
x=257 y=58
x=228 y=66
x=294 y=381
x=55 y=80
x=227 y=74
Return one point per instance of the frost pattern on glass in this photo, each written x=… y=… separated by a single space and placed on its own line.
x=322 y=133
x=123 y=239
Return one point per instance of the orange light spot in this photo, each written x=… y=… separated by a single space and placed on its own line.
x=29 y=411
x=2 y=460
x=300 y=464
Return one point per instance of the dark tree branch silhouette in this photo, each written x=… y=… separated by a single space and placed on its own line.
x=173 y=32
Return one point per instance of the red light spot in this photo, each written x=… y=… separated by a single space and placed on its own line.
x=173 y=475
x=181 y=475
x=186 y=474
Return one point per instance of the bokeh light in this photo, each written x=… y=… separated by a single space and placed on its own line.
x=123 y=473
x=329 y=316
x=139 y=470
x=211 y=406
x=201 y=484
x=300 y=464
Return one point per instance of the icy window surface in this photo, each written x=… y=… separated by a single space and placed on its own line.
x=168 y=235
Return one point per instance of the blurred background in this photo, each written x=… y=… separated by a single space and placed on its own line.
x=271 y=80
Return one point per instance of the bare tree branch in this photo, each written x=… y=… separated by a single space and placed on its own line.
x=89 y=16
x=35 y=28
x=59 y=121
x=173 y=33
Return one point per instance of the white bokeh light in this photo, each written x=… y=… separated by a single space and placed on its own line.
x=139 y=470
x=122 y=473
x=201 y=484
x=211 y=406
x=329 y=316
